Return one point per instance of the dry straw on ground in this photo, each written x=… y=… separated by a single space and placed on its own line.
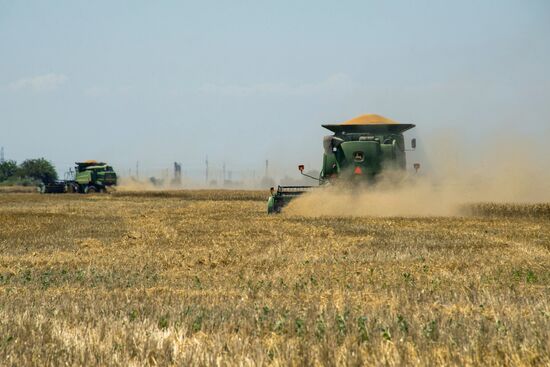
x=208 y=278
x=17 y=189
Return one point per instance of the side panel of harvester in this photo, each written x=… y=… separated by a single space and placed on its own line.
x=93 y=178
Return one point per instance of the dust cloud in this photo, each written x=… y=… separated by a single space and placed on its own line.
x=510 y=170
x=132 y=184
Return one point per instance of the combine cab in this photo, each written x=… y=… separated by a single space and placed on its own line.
x=357 y=152
x=89 y=177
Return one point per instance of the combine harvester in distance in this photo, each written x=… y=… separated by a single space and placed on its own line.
x=89 y=177
x=358 y=151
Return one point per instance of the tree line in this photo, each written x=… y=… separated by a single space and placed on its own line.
x=29 y=172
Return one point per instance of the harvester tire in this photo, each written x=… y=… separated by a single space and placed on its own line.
x=91 y=190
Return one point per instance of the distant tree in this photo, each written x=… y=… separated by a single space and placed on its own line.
x=38 y=169
x=7 y=169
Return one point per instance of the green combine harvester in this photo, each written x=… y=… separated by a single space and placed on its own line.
x=358 y=151
x=89 y=177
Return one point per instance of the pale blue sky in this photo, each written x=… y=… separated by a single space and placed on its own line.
x=243 y=81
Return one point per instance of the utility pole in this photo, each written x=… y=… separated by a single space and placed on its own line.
x=266 y=168
x=223 y=181
x=177 y=173
x=137 y=170
x=2 y=155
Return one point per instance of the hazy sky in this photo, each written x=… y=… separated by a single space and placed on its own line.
x=245 y=81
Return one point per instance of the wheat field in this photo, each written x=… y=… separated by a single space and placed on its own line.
x=207 y=278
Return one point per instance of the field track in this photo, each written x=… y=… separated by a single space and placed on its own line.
x=206 y=277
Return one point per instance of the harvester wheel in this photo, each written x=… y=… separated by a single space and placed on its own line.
x=91 y=190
